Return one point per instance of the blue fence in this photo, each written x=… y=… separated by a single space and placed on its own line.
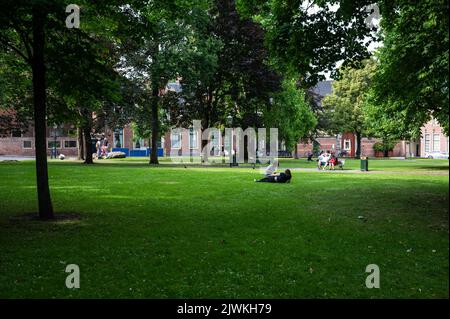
x=138 y=153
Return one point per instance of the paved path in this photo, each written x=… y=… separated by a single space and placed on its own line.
x=427 y=172
x=16 y=158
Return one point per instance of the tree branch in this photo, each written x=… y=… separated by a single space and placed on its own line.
x=15 y=49
x=26 y=42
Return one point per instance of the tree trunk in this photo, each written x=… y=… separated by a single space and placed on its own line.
x=358 y=145
x=80 y=144
x=155 y=124
x=87 y=128
x=39 y=96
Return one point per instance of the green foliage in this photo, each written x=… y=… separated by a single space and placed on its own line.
x=307 y=38
x=290 y=113
x=384 y=146
x=225 y=72
x=79 y=62
x=411 y=84
x=345 y=106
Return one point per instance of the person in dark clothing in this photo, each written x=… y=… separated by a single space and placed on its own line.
x=278 y=178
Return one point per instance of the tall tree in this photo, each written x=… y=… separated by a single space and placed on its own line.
x=229 y=74
x=22 y=32
x=345 y=106
x=291 y=114
x=308 y=38
x=151 y=49
x=412 y=81
x=35 y=31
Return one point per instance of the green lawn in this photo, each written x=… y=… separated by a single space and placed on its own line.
x=212 y=232
x=413 y=165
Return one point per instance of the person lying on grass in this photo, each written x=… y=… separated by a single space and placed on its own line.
x=277 y=178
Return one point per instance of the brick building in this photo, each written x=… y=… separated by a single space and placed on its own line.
x=20 y=142
x=433 y=139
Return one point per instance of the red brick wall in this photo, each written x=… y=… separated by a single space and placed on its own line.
x=326 y=144
x=13 y=146
x=303 y=149
x=185 y=149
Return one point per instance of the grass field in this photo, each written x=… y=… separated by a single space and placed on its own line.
x=212 y=232
x=416 y=165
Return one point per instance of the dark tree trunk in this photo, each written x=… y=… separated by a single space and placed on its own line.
x=358 y=145
x=155 y=124
x=39 y=96
x=87 y=128
x=80 y=144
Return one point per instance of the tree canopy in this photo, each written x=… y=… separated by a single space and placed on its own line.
x=345 y=106
x=411 y=83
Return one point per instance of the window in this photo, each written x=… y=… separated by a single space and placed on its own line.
x=347 y=145
x=118 y=138
x=193 y=138
x=175 y=139
x=436 y=142
x=70 y=144
x=16 y=133
x=26 y=144
x=427 y=142
x=51 y=144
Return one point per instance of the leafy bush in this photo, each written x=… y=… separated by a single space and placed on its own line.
x=384 y=146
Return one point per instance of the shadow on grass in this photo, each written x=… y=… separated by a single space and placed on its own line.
x=34 y=217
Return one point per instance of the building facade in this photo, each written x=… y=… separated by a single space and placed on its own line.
x=433 y=139
x=20 y=142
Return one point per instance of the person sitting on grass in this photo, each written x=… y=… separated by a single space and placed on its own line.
x=333 y=161
x=319 y=160
x=277 y=178
x=272 y=168
x=322 y=161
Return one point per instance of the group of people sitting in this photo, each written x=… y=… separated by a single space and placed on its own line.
x=102 y=146
x=328 y=159
x=271 y=175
